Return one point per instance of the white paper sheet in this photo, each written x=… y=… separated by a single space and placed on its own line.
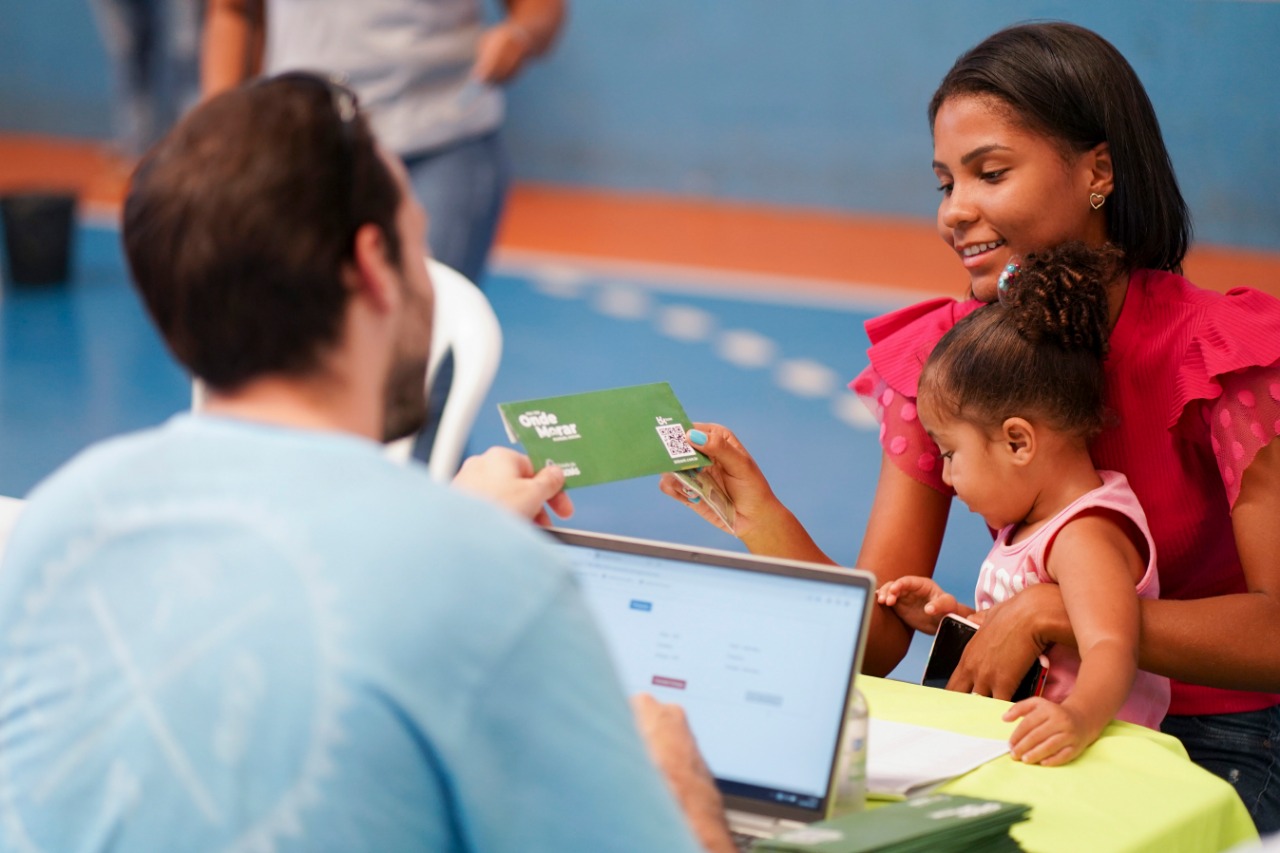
x=904 y=759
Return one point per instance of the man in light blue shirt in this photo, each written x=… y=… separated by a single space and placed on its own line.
x=248 y=630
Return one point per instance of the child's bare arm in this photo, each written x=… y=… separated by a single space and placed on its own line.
x=920 y=602
x=1096 y=566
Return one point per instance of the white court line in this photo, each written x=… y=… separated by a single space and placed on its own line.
x=628 y=300
x=740 y=286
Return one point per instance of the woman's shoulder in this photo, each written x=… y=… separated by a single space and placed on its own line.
x=1214 y=335
x=1204 y=309
x=929 y=319
x=1222 y=332
x=901 y=340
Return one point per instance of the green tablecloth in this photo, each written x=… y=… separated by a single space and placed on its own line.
x=1135 y=789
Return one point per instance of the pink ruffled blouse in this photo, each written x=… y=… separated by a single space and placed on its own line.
x=1193 y=382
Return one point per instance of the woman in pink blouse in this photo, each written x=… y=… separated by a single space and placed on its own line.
x=1044 y=134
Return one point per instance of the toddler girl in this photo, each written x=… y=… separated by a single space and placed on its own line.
x=1011 y=395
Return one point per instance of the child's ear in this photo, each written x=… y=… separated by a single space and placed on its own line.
x=1019 y=439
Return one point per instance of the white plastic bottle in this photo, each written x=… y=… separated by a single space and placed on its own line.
x=851 y=768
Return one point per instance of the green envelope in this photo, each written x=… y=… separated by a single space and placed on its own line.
x=602 y=436
x=935 y=823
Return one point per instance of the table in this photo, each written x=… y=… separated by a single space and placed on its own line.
x=1133 y=790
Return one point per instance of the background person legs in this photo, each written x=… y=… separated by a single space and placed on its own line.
x=154 y=50
x=463 y=188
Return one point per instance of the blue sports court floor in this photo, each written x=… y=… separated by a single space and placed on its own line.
x=769 y=358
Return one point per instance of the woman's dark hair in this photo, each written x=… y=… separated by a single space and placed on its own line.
x=1072 y=85
x=1037 y=352
x=238 y=223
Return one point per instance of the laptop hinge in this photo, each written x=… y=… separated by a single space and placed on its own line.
x=762 y=825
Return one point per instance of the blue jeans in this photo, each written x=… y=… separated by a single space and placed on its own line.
x=462 y=187
x=154 y=50
x=1242 y=748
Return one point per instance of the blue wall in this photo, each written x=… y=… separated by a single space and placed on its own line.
x=54 y=76
x=798 y=102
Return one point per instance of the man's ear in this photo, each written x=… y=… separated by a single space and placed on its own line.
x=372 y=273
x=1102 y=179
x=1019 y=439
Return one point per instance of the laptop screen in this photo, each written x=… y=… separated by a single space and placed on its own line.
x=759 y=653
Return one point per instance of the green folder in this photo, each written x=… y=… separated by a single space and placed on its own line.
x=935 y=823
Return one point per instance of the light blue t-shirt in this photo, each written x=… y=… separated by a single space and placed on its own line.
x=217 y=635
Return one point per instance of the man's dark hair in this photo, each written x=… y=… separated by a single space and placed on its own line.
x=238 y=224
x=1072 y=85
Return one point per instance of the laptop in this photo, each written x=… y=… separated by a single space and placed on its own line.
x=760 y=652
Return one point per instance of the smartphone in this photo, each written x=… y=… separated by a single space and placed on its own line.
x=954 y=633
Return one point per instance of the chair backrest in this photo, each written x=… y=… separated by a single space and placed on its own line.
x=464 y=323
x=9 y=509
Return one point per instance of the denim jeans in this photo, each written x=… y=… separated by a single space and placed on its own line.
x=154 y=49
x=462 y=187
x=1242 y=748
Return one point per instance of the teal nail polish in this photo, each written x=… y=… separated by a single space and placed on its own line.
x=698 y=437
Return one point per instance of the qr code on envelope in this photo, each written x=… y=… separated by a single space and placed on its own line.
x=673 y=439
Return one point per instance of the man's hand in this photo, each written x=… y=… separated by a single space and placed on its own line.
x=1049 y=734
x=506 y=477
x=665 y=731
x=918 y=601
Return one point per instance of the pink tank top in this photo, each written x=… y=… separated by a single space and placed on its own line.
x=1011 y=568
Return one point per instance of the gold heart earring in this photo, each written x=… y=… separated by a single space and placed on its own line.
x=1096 y=200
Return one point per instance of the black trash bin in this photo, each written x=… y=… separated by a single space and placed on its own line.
x=38 y=228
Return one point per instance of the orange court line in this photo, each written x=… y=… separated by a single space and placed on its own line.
x=789 y=242
x=48 y=163
x=758 y=239
x=797 y=243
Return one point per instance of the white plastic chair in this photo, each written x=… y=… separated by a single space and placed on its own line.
x=9 y=509
x=465 y=323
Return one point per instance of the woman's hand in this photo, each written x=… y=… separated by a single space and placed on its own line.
x=1013 y=635
x=736 y=472
x=763 y=524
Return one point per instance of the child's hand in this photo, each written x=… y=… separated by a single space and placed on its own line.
x=1049 y=734
x=918 y=601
